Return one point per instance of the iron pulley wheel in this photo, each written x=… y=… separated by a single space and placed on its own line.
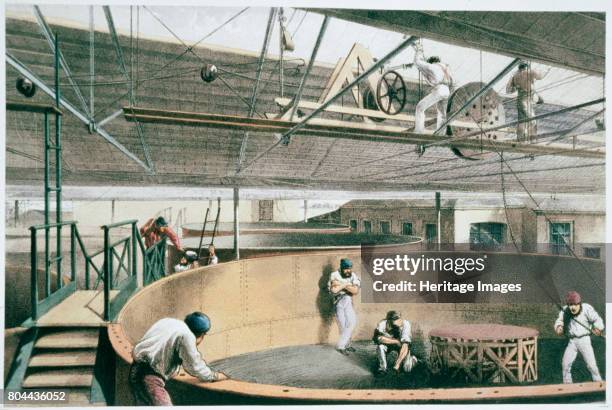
x=391 y=93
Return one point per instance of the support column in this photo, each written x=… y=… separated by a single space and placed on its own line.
x=439 y=225
x=236 y=225
x=16 y=212
x=305 y=210
x=112 y=211
x=58 y=165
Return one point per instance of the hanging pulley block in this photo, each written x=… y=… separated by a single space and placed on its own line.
x=26 y=87
x=209 y=73
x=288 y=44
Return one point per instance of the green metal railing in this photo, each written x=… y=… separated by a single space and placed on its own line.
x=117 y=272
x=124 y=252
x=154 y=266
x=40 y=307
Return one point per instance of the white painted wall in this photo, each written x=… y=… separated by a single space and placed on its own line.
x=463 y=219
x=93 y=214
x=586 y=228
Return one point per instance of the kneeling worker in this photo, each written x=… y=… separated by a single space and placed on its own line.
x=393 y=334
x=167 y=345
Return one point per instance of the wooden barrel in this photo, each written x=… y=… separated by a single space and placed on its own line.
x=485 y=353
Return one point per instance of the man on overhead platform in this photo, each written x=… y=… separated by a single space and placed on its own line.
x=522 y=83
x=438 y=76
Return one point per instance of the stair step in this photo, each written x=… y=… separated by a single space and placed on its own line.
x=64 y=359
x=81 y=377
x=73 y=338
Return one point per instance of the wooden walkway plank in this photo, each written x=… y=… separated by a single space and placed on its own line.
x=68 y=339
x=64 y=359
x=59 y=378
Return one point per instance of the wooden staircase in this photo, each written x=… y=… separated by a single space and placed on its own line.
x=64 y=359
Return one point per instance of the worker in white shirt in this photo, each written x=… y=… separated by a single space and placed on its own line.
x=438 y=76
x=578 y=321
x=167 y=345
x=188 y=261
x=394 y=334
x=213 y=259
x=522 y=83
x=343 y=284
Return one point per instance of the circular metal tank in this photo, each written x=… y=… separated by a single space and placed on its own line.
x=281 y=301
x=227 y=228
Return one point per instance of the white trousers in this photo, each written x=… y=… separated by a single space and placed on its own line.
x=582 y=345
x=347 y=320
x=524 y=105
x=438 y=96
x=382 y=350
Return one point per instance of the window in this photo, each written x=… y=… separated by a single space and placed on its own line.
x=594 y=253
x=266 y=208
x=353 y=224
x=560 y=237
x=367 y=226
x=431 y=233
x=487 y=235
x=407 y=228
x=385 y=227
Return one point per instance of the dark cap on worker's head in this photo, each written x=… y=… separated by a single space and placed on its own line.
x=161 y=221
x=523 y=65
x=198 y=323
x=191 y=256
x=573 y=298
x=433 y=59
x=345 y=263
x=393 y=315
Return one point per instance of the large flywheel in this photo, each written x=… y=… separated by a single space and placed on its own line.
x=391 y=93
x=485 y=112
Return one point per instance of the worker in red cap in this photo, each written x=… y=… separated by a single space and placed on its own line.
x=577 y=320
x=156 y=229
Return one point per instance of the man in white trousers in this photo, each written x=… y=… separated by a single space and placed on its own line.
x=577 y=321
x=343 y=285
x=394 y=334
x=438 y=76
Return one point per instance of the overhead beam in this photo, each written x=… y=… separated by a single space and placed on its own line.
x=46 y=30
x=32 y=107
x=23 y=70
x=110 y=117
x=483 y=131
x=298 y=95
x=118 y=50
x=343 y=130
x=262 y=58
x=313 y=56
x=331 y=100
x=362 y=112
x=452 y=30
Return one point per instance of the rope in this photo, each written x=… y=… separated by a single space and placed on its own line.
x=503 y=189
